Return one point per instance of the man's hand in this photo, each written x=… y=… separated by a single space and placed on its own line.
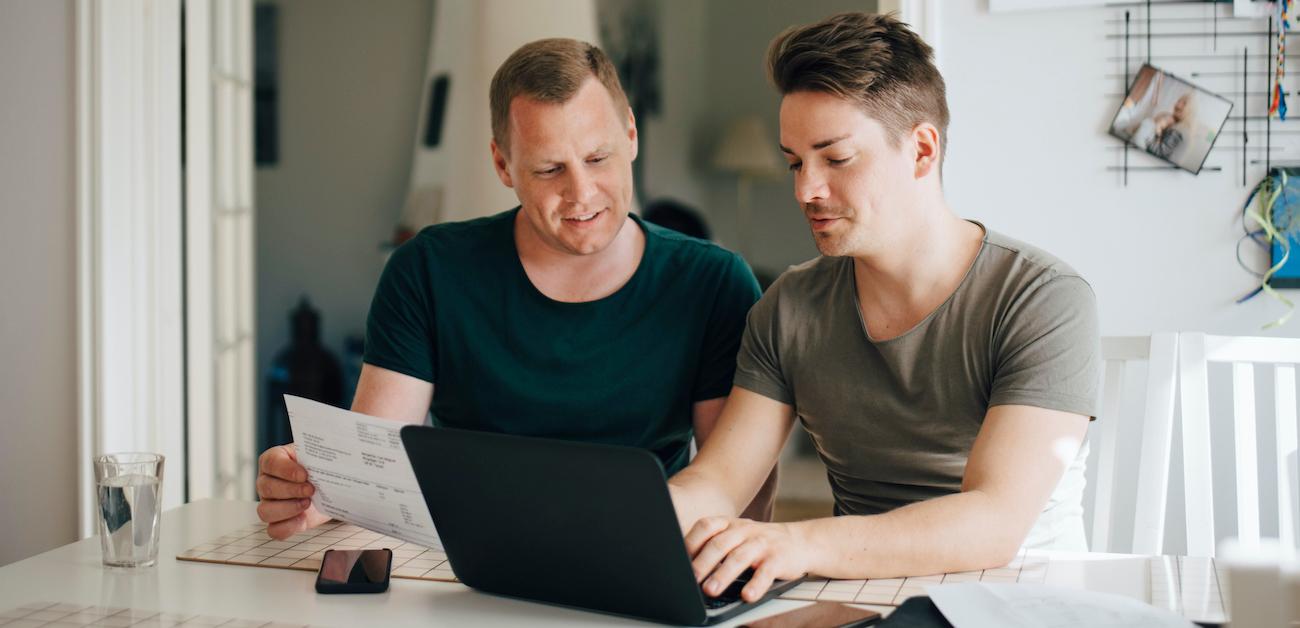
x=286 y=495
x=282 y=482
x=722 y=548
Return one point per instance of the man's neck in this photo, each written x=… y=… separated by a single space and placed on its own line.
x=563 y=276
x=910 y=276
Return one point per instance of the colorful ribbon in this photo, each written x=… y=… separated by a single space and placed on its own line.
x=1268 y=234
x=1278 y=106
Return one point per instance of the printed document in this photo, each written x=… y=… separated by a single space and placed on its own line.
x=360 y=470
x=1021 y=605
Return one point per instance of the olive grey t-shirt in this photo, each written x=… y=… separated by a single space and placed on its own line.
x=894 y=420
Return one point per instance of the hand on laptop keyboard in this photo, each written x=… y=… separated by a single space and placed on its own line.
x=730 y=594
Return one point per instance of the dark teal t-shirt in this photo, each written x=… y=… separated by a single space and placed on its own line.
x=454 y=307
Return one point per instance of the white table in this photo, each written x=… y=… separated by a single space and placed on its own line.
x=73 y=573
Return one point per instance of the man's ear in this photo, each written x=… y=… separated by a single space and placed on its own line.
x=929 y=151
x=631 y=133
x=501 y=164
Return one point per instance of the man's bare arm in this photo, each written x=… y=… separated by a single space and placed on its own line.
x=1016 y=462
x=735 y=460
x=706 y=417
x=391 y=395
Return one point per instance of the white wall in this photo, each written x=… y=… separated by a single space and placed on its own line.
x=38 y=420
x=1031 y=95
x=350 y=82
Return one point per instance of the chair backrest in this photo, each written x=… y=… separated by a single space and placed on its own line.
x=1196 y=351
x=1159 y=350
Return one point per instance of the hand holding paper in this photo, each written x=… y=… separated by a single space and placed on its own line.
x=360 y=470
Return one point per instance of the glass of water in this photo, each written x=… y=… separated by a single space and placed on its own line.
x=129 y=491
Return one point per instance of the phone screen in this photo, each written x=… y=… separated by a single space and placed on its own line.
x=820 y=614
x=354 y=571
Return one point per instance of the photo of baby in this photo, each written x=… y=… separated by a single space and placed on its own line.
x=1170 y=118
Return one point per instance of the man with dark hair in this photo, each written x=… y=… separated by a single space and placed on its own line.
x=565 y=317
x=945 y=372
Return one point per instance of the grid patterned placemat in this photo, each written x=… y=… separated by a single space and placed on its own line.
x=250 y=545
x=56 y=615
x=883 y=594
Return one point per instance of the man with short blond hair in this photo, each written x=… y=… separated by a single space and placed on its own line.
x=566 y=317
x=945 y=372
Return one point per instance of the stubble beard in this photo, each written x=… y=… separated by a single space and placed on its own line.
x=831 y=245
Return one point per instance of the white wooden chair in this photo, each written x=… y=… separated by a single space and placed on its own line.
x=1159 y=350
x=1196 y=350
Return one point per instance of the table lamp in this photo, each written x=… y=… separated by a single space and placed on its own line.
x=747 y=151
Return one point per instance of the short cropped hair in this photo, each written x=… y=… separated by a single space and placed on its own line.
x=552 y=71
x=874 y=60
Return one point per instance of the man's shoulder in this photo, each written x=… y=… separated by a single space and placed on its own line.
x=458 y=248
x=448 y=244
x=679 y=254
x=1018 y=262
x=672 y=243
x=811 y=279
x=466 y=232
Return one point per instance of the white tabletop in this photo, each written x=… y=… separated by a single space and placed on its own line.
x=74 y=573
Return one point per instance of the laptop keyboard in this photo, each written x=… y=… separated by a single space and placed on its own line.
x=730 y=594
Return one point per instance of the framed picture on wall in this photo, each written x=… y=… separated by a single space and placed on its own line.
x=1170 y=118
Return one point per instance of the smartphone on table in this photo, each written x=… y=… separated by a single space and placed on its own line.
x=354 y=571
x=819 y=615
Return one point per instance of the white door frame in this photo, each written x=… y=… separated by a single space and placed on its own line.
x=137 y=342
x=198 y=244
x=130 y=378
x=220 y=320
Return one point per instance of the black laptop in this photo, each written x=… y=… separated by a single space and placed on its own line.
x=575 y=524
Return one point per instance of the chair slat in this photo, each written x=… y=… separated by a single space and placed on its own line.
x=1106 y=430
x=1247 y=467
x=1157 y=445
x=1198 y=487
x=1284 y=394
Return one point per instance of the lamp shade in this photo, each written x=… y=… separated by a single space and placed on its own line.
x=747 y=149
